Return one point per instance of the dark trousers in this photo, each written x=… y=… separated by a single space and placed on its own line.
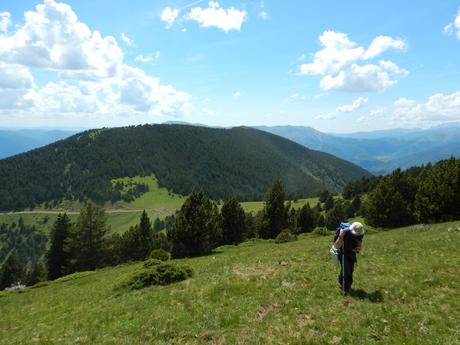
x=349 y=268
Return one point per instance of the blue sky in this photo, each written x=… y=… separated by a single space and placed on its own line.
x=338 y=66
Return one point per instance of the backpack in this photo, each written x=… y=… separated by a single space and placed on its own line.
x=343 y=225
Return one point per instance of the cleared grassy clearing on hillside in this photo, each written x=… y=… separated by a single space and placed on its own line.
x=119 y=221
x=259 y=293
x=156 y=197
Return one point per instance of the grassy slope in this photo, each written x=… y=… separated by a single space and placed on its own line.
x=259 y=293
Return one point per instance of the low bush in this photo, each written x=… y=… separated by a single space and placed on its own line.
x=159 y=274
x=285 y=235
x=152 y=262
x=322 y=231
x=160 y=254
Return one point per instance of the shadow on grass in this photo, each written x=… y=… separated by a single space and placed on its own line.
x=374 y=296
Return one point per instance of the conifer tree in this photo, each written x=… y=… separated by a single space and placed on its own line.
x=56 y=257
x=391 y=203
x=306 y=219
x=11 y=271
x=233 y=222
x=329 y=203
x=275 y=213
x=87 y=241
x=145 y=236
x=195 y=230
x=335 y=216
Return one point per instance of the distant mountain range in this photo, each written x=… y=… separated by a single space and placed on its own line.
x=380 y=151
x=240 y=161
x=17 y=141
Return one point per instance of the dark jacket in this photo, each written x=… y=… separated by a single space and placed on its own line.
x=350 y=242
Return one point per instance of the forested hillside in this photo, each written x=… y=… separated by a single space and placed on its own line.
x=239 y=162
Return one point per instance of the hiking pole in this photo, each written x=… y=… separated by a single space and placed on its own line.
x=343 y=266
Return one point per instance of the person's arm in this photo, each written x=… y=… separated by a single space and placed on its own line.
x=339 y=241
x=359 y=246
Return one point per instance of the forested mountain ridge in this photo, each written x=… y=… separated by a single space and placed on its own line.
x=222 y=162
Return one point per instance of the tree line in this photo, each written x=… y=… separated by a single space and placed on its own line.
x=196 y=229
x=426 y=194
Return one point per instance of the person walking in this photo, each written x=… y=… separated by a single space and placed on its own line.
x=347 y=243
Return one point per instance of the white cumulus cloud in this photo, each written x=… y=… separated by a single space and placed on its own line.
x=53 y=38
x=169 y=16
x=355 y=105
x=5 y=21
x=453 y=28
x=90 y=75
x=338 y=63
x=237 y=95
x=126 y=39
x=216 y=16
x=148 y=58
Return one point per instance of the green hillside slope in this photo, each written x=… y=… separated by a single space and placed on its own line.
x=222 y=162
x=406 y=292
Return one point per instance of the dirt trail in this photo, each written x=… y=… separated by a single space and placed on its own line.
x=110 y=210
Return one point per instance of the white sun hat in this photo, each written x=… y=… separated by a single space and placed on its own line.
x=357 y=229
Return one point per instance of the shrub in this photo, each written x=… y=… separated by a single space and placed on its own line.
x=285 y=235
x=161 y=274
x=152 y=262
x=160 y=254
x=321 y=231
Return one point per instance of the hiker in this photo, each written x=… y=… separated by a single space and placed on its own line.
x=347 y=242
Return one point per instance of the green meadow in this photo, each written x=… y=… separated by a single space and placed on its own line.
x=158 y=203
x=406 y=291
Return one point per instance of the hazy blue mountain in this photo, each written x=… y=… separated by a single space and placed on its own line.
x=17 y=141
x=380 y=151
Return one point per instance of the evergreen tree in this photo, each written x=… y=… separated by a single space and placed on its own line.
x=56 y=257
x=233 y=222
x=323 y=196
x=251 y=227
x=195 y=230
x=438 y=195
x=37 y=273
x=329 y=203
x=321 y=221
x=145 y=236
x=391 y=203
x=335 y=216
x=87 y=242
x=292 y=218
x=356 y=204
x=158 y=225
x=11 y=271
x=306 y=219
x=275 y=213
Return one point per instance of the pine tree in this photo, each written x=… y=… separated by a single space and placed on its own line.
x=391 y=203
x=87 y=241
x=335 y=216
x=275 y=213
x=233 y=222
x=195 y=230
x=145 y=236
x=306 y=219
x=37 y=273
x=329 y=203
x=438 y=195
x=11 y=271
x=56 y=257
